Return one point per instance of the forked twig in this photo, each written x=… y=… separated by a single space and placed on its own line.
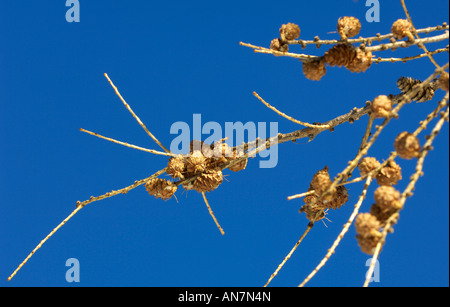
x=134 y=115
x=417 y=35
x=362 y=146
x=343 y=232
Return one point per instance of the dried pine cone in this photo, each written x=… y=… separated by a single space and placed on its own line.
x=240 y=165
x=390 y=174
x=312 y=213
x=176 y=167
x=320 y=183
x=196 y=145
x=407 y=145
x=361 y=62
x=367 y=165
x=200 y=146
x=221 y=153
x=368 y=243
x=402 y=28
x=160 y=188
x=314 y=70
x=195 y=164
x=208 y=181
x=426 y=93
x=381 y=106
x=383 y=214
x=365 y=223
x=278 y=45
x=368 y=236
x=348 y=27
x=314 y=210
x=387 y=202
x=289 y=31
x=340 y=55
x=387 y=197
x=339 y=199
x=222 y=150
x=443 y=81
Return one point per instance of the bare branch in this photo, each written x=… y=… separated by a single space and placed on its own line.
x=135 y=116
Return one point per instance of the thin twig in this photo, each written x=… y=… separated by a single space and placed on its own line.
x=300 y=195
x=308 y=228
x=135 y=116
x=381 y=47
x=301 y=57
x=406 y=44
x=287 y=116
x=417 y=35
x=377 y=250
x=81 y=205
x=128 y=145
x=410 y=58
x=212 y=214
x=361 y=147
x=364 y=40
x=424 y=123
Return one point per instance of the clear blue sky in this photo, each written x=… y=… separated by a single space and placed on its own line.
x=171 y=60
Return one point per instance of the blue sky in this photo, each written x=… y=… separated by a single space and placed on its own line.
x=171 y=60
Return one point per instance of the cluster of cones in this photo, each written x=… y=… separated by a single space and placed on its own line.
x=387 y=202
x=200 y=170
x=355 y=59
x=343 y=54
x=315 y=206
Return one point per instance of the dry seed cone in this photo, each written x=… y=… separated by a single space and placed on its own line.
x=426 y=93
x=361 y=62
x=401 y=28
x=368 y=236
x=389 y=174
x=381 y=106
x=160 y=188
x=195 y=164
x=407 y=145
x=339 y=198
x=348 y=26
x=278 y=45
x=320 y=183
x=240 y=165
x=314 y=70
x=340 y=55
x=367 y=165
x=208 y=181
x=289 y=31
x=443 y=81
x=176 y=167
